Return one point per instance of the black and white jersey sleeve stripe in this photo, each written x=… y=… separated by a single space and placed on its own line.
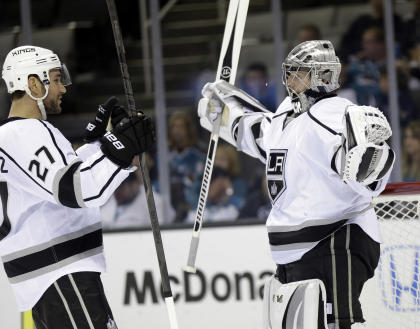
x=89 y=183
x=99 y=177
x=66 y=186
x=250 y=134
x=103 y=189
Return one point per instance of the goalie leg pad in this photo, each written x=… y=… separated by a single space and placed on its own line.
x=295 y=305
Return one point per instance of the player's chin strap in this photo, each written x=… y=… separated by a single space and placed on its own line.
x=39 y=101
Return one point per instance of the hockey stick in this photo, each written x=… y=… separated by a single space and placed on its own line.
x=166 y=286
x=226 y=70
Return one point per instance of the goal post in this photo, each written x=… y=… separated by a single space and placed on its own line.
x=391 y=300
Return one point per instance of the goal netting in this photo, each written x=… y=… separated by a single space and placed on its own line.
x=391 y=300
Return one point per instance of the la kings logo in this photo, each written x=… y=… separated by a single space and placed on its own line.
x=22 y=51
x=275 y=173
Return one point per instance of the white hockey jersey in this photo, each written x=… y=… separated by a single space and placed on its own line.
x=309 y=199
x=50 y=220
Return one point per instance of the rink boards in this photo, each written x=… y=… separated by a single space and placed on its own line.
x=233 y=263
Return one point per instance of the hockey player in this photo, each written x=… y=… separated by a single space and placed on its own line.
x=325 y=159
x=50 y=233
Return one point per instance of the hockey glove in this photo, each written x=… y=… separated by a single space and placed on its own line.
x=368 y=158
x=97 y=127
x=221 y=98
x=129 y=138
x=118 y=114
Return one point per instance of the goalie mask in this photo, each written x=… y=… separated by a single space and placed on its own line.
x=312 y=69
x=25 y=61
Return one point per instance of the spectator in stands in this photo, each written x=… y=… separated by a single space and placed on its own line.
x=412 y=30
x=351 y=43
x=411 y=45
x=364 y=71
x=257 y=203
x=308 y=32
x=407 y=106
x=411 y=152
x=226 y=192
x=256 y=83
x=127 y=208
x=186 y=162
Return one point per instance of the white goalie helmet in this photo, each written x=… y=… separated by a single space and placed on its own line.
x=24 y=61
x=321 y=67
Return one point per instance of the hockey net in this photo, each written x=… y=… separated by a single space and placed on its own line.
x=391 y=300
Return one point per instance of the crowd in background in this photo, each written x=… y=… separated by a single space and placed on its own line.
x=238 y=187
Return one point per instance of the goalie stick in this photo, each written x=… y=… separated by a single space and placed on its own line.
x=166 y=287
x=226 y=70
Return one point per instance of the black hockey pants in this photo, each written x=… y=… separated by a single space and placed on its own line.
x=74 y=301
x=344 y=262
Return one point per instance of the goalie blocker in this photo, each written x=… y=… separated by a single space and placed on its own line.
x=367 y=156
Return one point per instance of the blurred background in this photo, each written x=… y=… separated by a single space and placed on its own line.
x=378 y=43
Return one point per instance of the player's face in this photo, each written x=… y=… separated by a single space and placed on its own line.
x=411 y=143
x=56 y=90
x=178 y=133
x=299 y=81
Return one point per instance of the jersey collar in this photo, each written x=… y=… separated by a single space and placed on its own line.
x=2 y=122
x=325 y=96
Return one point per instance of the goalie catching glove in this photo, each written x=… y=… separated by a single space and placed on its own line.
x=368 y=158
x=131 y=137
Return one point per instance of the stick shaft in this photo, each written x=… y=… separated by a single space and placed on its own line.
x=167 y=292
x=121 y=56
x=226 y=70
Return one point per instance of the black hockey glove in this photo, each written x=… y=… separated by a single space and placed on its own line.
x=129 y=138
x=117 y=115
x=97 y=127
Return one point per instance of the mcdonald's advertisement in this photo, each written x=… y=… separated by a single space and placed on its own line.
x=233 y=263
